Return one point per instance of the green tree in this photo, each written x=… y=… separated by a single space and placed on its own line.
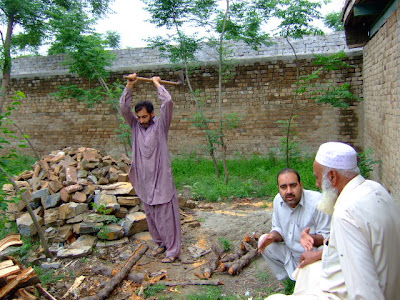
x=181 y=48
x=37 y=23
x=333 y=21
x=238 y=21
x=87 y=56
x=296 y=18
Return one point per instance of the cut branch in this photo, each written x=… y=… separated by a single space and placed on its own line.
x=244 y=261
x=116 y=280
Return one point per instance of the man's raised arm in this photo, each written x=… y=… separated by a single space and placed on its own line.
x=166 y=105
x=125 y=102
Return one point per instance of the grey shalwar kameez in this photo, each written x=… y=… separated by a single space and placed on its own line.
x=151 y=172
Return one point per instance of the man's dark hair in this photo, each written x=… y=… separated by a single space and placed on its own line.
x=288 y=170
x=144 y=104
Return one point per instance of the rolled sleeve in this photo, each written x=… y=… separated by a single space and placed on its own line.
x=323 y=224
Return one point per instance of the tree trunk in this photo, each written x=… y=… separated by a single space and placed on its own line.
x=211 y=151
x=7 y=63
x=291 y=116
x=221 y=133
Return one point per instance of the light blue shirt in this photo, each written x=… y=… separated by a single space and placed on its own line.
x=290 y=222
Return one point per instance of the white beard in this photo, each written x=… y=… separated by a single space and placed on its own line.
x=329 y=196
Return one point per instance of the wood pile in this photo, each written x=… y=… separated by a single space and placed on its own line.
x=16 y=281
x=75 y=193
x=231 y=263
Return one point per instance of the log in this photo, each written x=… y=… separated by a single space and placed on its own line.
x=234 y=256
x=24 y=294
x=213 y=262
x=244 y=261
x=115 y=281
x=225 y=266
x=44 y=292
x=190 y=282
x=250 y=240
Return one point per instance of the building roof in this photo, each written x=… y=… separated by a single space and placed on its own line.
x=363 y=18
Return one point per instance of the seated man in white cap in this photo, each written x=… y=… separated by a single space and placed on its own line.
x=295 y=210
x=360 y=260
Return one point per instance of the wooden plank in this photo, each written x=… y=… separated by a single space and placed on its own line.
x=6 y=263
x=9 y=271
x=24 y=277
x=11 y=240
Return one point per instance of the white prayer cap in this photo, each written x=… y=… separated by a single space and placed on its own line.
x=337 y=155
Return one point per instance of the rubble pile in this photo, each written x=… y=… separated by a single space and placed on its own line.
x=82 y=199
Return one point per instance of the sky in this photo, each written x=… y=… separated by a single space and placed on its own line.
x=129 y=20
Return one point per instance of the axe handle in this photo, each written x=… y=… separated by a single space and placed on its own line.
x=162 y=81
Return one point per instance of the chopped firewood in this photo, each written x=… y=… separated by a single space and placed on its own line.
x=5 y=272
x=213 y=262
x=250 y=240
x=225 y=266
x=72 y=290
x=25 y=278
x=113 y=283
x=15 y=261
x=234 y=256
x=191 y=282
x=24 y=294
x=244 y=261
x=6 y=263
x=43 y=292
x=11 y=240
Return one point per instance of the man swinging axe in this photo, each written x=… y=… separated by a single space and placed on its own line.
x=151 y=171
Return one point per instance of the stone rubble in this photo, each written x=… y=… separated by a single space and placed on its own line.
x=82 y=199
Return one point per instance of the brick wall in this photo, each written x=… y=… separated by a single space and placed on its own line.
x=381 y=107
x=260 y=92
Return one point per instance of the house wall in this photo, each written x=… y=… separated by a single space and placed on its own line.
x=381 y=106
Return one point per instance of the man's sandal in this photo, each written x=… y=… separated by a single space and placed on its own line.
x=158 y=250
x=169 y=259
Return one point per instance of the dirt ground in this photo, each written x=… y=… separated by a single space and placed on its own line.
x=202 y=227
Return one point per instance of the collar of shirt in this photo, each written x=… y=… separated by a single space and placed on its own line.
x=351 y=185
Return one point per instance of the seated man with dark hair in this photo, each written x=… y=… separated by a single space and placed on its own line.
x=295 y=210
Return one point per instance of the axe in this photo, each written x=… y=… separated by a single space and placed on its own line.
x=166 y=82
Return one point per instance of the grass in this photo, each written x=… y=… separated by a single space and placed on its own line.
x=152 y=290
x=47 y=276
x=16 y=166
x=226 y=244
x=210 y=293
x=249 y=177
x=289 y=286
